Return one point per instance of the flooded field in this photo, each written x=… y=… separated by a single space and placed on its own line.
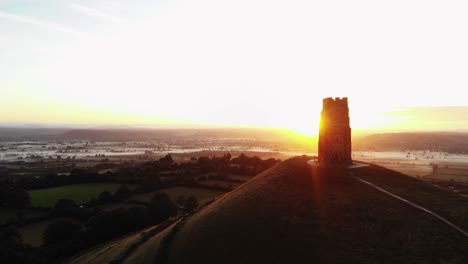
x=37 y=151
x=34 y=151
x=414 y=163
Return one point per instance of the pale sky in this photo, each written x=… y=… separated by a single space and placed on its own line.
x=244 y=62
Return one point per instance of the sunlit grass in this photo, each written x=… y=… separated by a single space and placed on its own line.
x=80 y=193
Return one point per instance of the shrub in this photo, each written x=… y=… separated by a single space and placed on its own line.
x=161 y=208
x=60 y=231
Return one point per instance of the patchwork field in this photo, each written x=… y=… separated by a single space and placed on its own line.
x=80 y=193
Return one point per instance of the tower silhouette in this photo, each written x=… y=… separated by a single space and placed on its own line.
x=335 y=133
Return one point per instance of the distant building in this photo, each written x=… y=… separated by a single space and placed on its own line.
x=334 y=145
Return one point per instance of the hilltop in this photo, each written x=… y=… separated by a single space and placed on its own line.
x=295 y=213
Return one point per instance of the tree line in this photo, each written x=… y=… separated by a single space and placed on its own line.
x=82 y=226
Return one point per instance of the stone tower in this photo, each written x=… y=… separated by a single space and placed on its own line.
x=334 y=145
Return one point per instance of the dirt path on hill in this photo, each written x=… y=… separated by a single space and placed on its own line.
x=459 y=229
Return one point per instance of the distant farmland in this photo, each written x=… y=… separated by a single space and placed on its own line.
x=80 y=193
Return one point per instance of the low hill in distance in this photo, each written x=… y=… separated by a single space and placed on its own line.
x=148 y=134
x=142 y=134
x=295 y=213
x=451 y=142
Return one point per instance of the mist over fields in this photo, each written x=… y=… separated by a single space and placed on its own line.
x=454 y=142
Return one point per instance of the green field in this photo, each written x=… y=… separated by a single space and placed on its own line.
x=202 y=195
x=113 y=206
x=32 y=234
x=447 y=174
x=239 y=177
x=80 y=193
x=232 y=185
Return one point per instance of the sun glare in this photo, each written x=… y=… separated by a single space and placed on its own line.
x=167 y=64
x=309 y=129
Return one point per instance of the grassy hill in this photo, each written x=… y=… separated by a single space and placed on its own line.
x=294 y=213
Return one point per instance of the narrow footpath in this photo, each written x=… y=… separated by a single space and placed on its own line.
x=459 y=229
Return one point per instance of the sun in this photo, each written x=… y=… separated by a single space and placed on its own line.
x=306 y=130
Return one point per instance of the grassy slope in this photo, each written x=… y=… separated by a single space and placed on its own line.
x=109 y=251
x=450 y=205
x=297 y=214
x=294 y=213
x=80 y=193
x=118 y=248
x=146 y=252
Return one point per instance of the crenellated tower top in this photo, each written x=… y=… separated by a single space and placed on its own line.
x=335 y=102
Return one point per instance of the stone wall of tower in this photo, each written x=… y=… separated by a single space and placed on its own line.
x=335 y=133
